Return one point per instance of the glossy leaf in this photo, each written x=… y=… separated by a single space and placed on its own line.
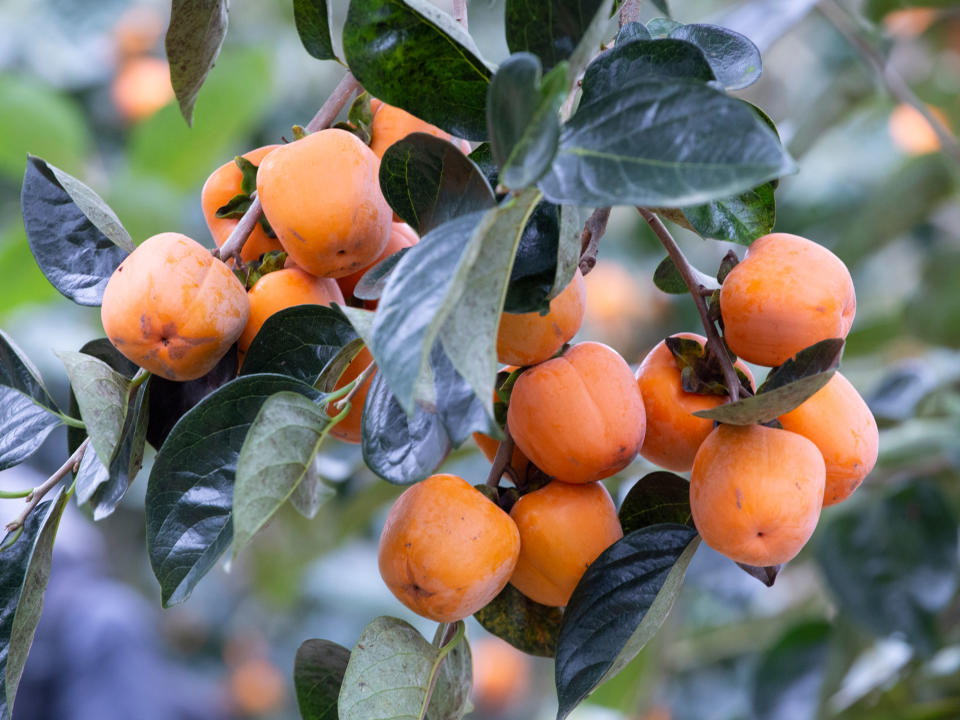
x=196 y=33
x=525 y=624
x=76 y=240
x=633 y=31
x=312 y=18
x=190 y=491
x=734 y=59
x=411 y=54
x=534 y=273
x=24 y=572
x=790 y=674
x=661 y=27
x=740 y=219
x=26 y=408
x=657 y=497
x=318 y=670
x=551 y=30
x=374 y=280
x=428 y=181
x=619 y=604
x=668 y=278
x=621 y=148
x=18 y=372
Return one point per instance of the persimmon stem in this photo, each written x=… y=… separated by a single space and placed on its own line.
x=323 y=119
x=593 y=230
x=714 y=342
x=36 y=495
x=357 y=383
x=629 y=12
x=501 y=461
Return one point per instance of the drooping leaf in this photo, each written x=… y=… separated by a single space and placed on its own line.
x=277 y=455
x=428 y=181
x=740 y=219
x=461 y=411
x=318 y=670
x=668 y=278
x=74 y=236
x=525 y=624
x=312 y=18
x=621 y=149
x=790 y=674
x=535 y=271
x=549 y=30
x=661 y=27
x=374 y=280
x=413 y=55
x=194 y=38
x=19 y=373
x=818 y=358
x=24 y=572
x=619 y=604
x=190 y=491
x=657 y=497
x=734 y=59
x=633 y=31
x=451 y=694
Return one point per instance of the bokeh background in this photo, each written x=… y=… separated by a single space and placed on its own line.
x=863 y=624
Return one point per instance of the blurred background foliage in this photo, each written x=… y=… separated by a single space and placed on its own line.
x=862 y=625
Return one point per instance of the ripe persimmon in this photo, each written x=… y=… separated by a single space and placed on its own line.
x=578 y=417
x=501 y=675
x=756 y=492
x=391 y=124
x=489 y=446
x=530 y=338
x=674 y=433
x=563 y=528
x=141 y=88
x=282 y=289
x=321 y=195
x=787 y=294
x=223 y=185
x=349 y=429
x=446 y=550
x=837 y=420
x=401 y=236
x=172 y=308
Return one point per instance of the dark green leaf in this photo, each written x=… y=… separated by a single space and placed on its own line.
x=317 y=676
x=522 y=118
x=411 y=54
x=892 y=563
x=741 y=219
x=75 y=238
x=312 y=18
x=374 y=280
x=662 y=6
x=619 y=604
x=24 y=572
x=667 y=277
x=633 y=31
x=661 y=27
x=534 y=272
x=820 y=357
x=451 y=695
x=621 y=149
x=19 y=373
x=734 y=59
x=525 y=624
x=461 y=412
x=194 y=37
x=550 y=29
x=190 y=492
x=428 y=181
x=790 y=674
x=658 y=497
x=235 y=207
x=482 y=157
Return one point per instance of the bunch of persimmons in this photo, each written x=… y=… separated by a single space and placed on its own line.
x=577 y=414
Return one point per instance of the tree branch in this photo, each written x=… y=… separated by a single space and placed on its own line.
x=593 y=230
x=714 y=343
x=501 y=461
x=34 y=498
x=629 y=12
x=358 y=381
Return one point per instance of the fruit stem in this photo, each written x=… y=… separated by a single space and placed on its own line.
x=593 y=230
x=357 y=383
x=36 y=495
x=501 y=461
x=714 y=343
x=324 y=117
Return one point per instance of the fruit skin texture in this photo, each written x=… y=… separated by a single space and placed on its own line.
x=222 y=185
x=446 y=550
x=391 y=124
x=531 y=338
x=578 y=417
x=787 y=294
x=172 y=308
x=281 y=289
x=401 y=236
x=837 y=420
x=322 y=198
x=674 y=434
x=350 y=428
x=756 y=493
x=563 y=528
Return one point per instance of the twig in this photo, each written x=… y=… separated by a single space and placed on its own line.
x=501 y=461
x=460 y=12
x=324 y=117
x=894 y=84
x=34 y=498
x=593 y=230
x=629 y=12
x=358 y=381
x=714 y=342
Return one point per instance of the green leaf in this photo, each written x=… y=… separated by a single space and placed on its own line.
x=633 y=31
x=451 y=695
x=618 y=606
x=299 y=342
x=277 y=454
x=662 y=6
x=19 y=373
x=786 y=387
x=102 y=397
x=312 y=18
x=318 y=670
x=525 y=624
x=24 y=572
x=891 y=563
x=196 y=33
x=789 y=675
x=236 y=207
x=482 y=157
x=535 y=270
x=657 y=497
x=374 y=280
x=550 y=29
x=621 y=149
x=661 y=27
x=190 y=492
x=75 y=238
x=734 y=58
x=668 y=279
x=428 y=181
x=522 y=118
x=740 y=219
x=572 y=220
x=413 y=55
x=461 y=411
